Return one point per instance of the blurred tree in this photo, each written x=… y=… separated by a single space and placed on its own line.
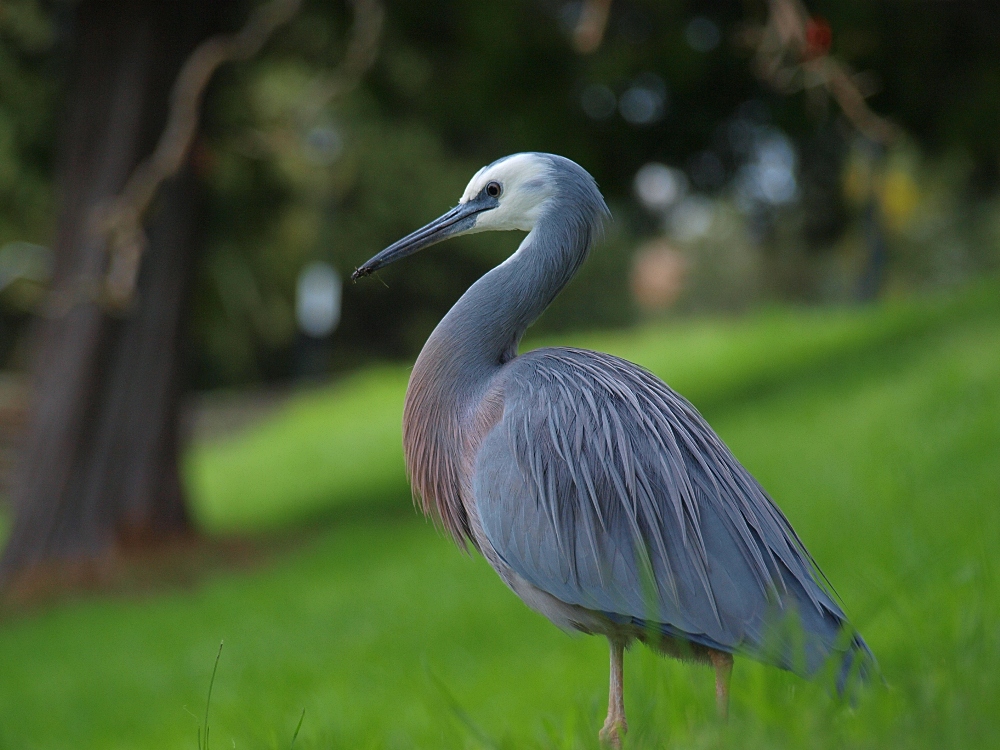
x=289 y=176
x=458 y=84
x=99 y=466
x=27 y=92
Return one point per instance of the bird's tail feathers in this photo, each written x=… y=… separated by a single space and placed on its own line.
x=858 y=668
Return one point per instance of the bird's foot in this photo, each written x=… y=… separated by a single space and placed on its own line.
x=613 y=732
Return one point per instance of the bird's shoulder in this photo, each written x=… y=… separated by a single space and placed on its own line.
x=565 y=383
x=579 y=369
x=598 y=472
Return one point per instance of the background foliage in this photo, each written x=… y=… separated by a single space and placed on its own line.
x=875 y=426
x=292 y=178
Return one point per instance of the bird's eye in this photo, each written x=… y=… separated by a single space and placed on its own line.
x=493 y=189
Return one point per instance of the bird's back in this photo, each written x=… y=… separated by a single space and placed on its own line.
x=604 y=488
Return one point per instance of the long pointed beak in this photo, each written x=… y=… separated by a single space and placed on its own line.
x=457 y=221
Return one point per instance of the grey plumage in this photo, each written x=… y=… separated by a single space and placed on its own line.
x=599 y=481
x=599 y=495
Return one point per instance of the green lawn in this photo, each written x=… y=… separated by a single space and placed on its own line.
x=878 y=432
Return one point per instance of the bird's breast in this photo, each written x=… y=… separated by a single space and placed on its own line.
x=444 y=424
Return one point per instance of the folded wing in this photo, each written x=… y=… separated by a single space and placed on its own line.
x=604 y=488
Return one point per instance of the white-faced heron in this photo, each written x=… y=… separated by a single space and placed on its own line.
x=600 y=496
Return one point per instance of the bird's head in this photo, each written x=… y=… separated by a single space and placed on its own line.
x=510 y=193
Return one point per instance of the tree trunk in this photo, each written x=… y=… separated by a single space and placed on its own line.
x=99 y=468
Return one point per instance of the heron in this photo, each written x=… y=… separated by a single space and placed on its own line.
x=600 y=496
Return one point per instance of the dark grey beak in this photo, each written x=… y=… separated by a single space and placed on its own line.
x=460 y=219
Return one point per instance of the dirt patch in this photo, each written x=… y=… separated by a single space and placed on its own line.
x=181 y=562
x=215 y=415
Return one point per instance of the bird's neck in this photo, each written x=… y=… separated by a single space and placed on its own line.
x=449 y=404
x=483 y=329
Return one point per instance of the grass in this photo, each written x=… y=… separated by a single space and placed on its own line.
x=339 y=449
x=877 y=431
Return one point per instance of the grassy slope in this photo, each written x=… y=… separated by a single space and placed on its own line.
x=878 y=433
x=339 y=448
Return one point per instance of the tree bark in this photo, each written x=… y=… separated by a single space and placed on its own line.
x=99 y=468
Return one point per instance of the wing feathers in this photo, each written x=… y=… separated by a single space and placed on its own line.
x=599 y=483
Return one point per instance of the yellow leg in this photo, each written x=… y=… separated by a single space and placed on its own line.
x=615 y=725
x=723 y=664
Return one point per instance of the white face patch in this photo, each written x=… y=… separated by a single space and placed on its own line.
x=526 y=183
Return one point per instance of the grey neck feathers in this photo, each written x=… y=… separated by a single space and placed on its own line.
x=482 y=331
x=447 y=399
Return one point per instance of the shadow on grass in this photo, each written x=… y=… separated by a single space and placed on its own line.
x=883 y=346
x=182 y=562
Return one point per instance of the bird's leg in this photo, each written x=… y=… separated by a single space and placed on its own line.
x=615 y=725
x=723 y=664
